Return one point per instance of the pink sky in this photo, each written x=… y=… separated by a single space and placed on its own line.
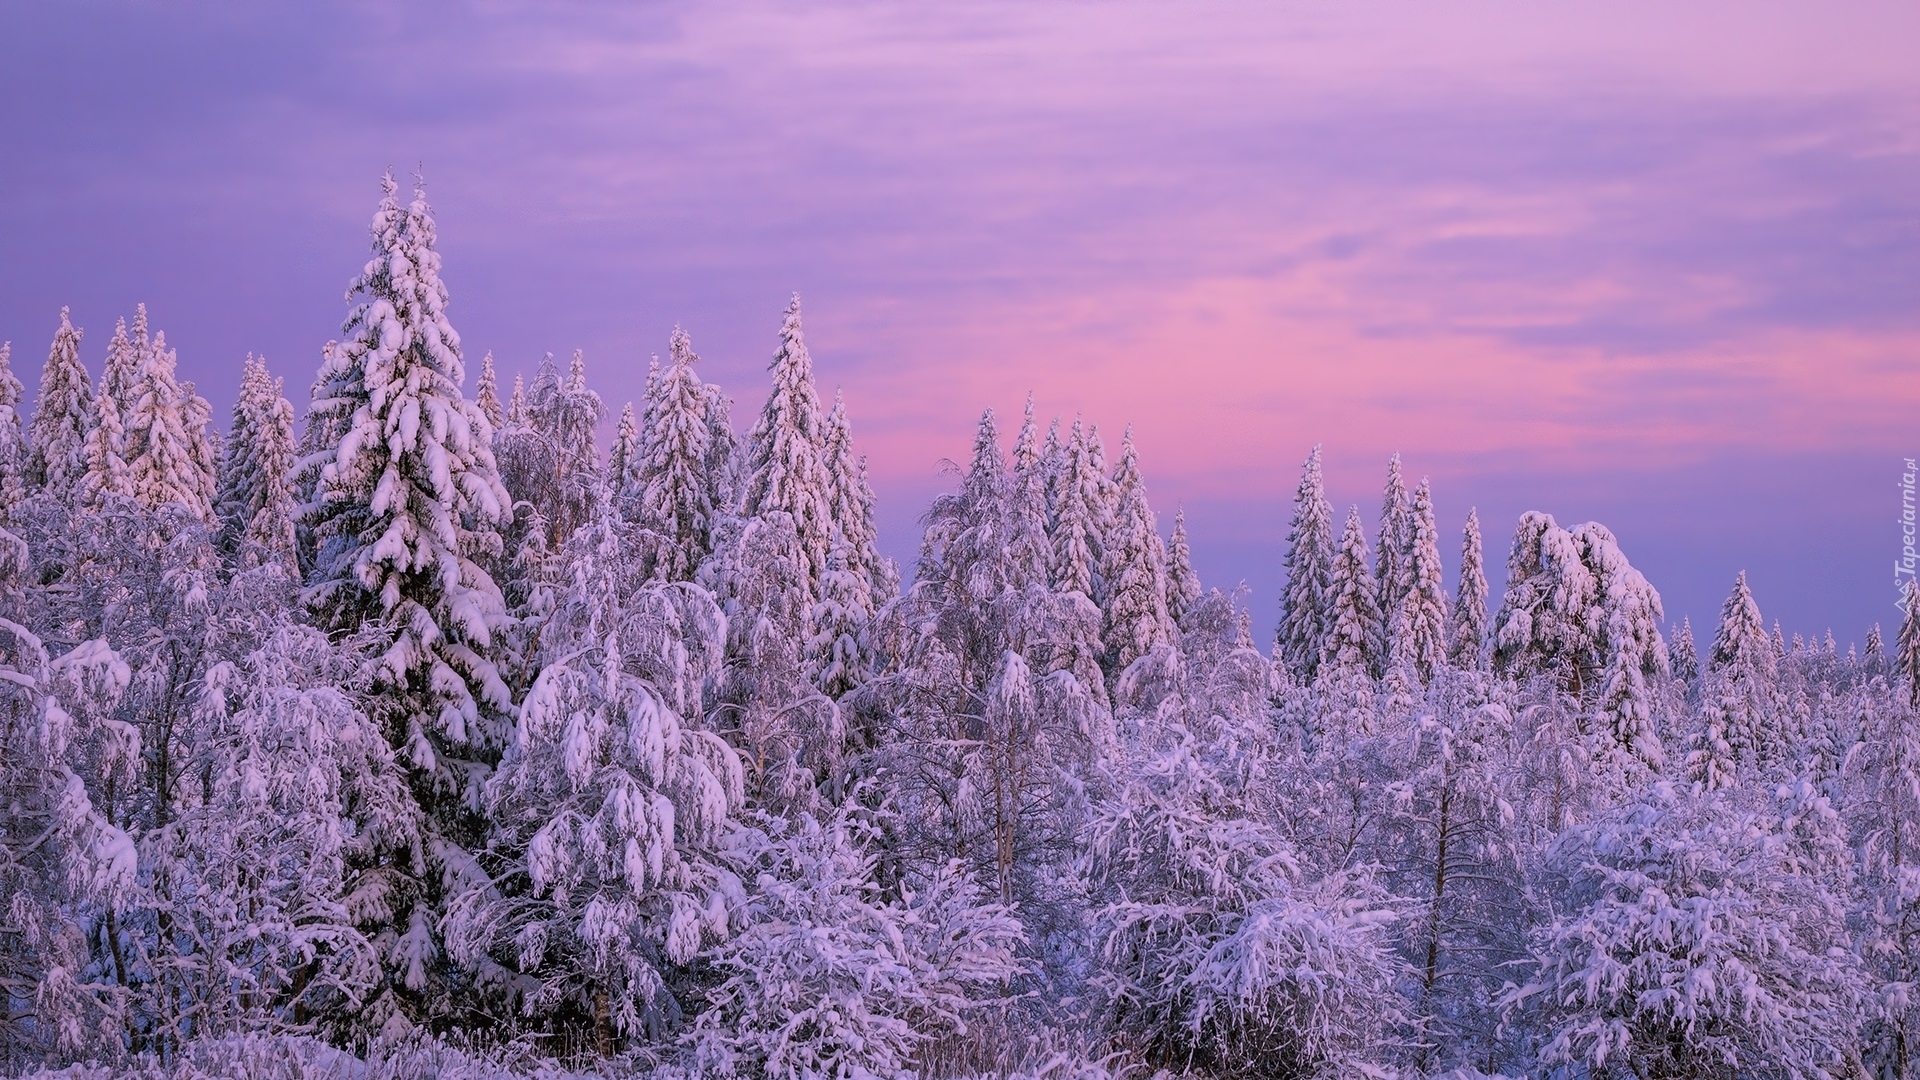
x=1656 y=266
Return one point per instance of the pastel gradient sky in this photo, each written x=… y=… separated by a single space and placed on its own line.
x=1649 y=264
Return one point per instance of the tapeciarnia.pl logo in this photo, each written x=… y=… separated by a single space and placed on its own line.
x=1903 y=567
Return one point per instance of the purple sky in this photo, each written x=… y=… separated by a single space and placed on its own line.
x=1651 y=266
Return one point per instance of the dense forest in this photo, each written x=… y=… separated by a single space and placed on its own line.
x=420 y=737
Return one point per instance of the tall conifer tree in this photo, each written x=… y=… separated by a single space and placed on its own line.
x=1135 y=570
x=61 y=416
x=677 y=495
x=1306 y=603
x=1468 y=640
x=784 y=467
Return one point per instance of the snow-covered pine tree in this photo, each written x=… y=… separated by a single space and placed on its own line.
x=1469 y=632
x=162 y=458
x=1632 y=659
x=1684 y=655
x=723 y=450
x=676 y=494
x=1742 y=682
x=553 y=462
x=839 y=652
x=107 y=474
x=517 y=403
x=1875 y=650
x=405 y=505
x=1306 y=600
x=1027 y=542
x=623 y=462
x=785 y=470
x=1350 y=660
x=1419 y=624
x=1077 y=529
x=1183 y=585
x=121 y=376
x=1392 y=558
x=486 y=394
x=1134 y=567
x=272 y=507
x=852 y=503
x=14 y=452
x=203 y=442
x=61 y=416
x=239 y=467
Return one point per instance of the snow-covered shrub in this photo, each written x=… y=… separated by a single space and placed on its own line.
x=63 y=862
x=1699 y=938
x=266 y=885
x=831 y=978
x=1215 y=951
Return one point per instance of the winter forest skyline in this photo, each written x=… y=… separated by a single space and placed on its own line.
x=1007 y=541
x=1571 y=271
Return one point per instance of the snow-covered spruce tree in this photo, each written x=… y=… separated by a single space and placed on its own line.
x=14 y=451
x=1699 y=939
x=623 y=462
x=552 y=462
x=1215 y=951
x=1183 y=585
x=239 y=452
x=1578 y=613
x=1027 y=540
x=517 y=403
x=271 y=536
x=608 y=810
x=1306 y=600
x=1740 y=692
x=1468 y=635
x=203 y=442
x=676 y=495
x=839 y=653
x=832 y=977
x=725 y=464
x=164 y=449
x=1684 y=655
x=1349 y=661
x=61 y=416
x=486 y=394
x=1633 y=661
x=1392 y=566
x=1134 y=566
x=852 y=503
x=64 y=864
x=405 y=505
x=1419 y=623
x=1077 y=528
x=120 y=378
x=785 y=467
x=106 y=471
